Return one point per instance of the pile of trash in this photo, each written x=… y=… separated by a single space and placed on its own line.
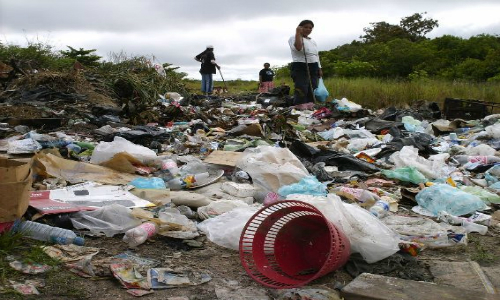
x=393 y=181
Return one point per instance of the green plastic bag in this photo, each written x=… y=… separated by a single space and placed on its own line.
x=483 y=194
x=408 y=174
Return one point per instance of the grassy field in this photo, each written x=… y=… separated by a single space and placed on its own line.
x=377 y=93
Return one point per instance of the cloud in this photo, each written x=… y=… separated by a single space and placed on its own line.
x=245 y=34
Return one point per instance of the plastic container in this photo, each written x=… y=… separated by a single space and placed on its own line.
x=138 y=235
x=47 y=233
x=380 y=209
x=291 y=243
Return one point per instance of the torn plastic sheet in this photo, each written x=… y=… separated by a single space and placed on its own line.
x=85 y=196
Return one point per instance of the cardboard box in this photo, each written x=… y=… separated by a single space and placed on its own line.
x=13 y=171
x=15 y=186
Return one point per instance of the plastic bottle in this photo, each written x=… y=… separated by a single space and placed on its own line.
x=454 y=138
x=176 y=184
x=138 y=235
x=380 y=209
x=47 y=233
x=463 y=159
x=462 y=130
x=52 y=144
x=466 y=224
x=170 y=165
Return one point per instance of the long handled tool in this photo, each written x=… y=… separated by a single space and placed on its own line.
x=225 y=86
x=308 y=72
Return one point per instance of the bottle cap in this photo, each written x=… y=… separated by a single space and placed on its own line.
x=79 y=241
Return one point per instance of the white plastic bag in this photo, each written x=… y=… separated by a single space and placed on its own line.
x=367 y=234
x=217 y=208
x=434 y=167
x=272 y=167
x=480 y=150
x=104 y=151
x=225 y=230
x=344 y=104
x=332 y=134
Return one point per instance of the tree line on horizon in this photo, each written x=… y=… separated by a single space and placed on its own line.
x=402 y=51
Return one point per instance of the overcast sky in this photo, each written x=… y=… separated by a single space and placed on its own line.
x=245 y=34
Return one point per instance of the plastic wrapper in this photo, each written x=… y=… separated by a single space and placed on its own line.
x=225 y=230
x=367 y=234
x=442 y=197
x=272 y=167
x=110 y=220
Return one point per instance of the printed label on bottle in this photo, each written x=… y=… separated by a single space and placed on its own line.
x=479 y=159
x=149 y=227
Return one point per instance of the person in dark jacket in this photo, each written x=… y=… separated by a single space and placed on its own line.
x=208 y=68
x=266 y=76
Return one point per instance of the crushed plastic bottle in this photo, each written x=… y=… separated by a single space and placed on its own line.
x=138 y=235
x=47 y=233
x=380 y=209
x=465 y=223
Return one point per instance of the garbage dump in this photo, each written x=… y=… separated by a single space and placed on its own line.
x=221 y=191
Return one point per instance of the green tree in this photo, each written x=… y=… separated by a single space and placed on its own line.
x=417 y=27
x=413 y=28
x=85 y=57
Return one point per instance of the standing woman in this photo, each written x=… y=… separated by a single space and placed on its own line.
x=208 y=65
x=305 y=60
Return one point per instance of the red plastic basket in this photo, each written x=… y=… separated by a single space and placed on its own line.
x=291 y=243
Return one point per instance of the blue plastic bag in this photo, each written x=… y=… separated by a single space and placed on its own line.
x=442 y=197
x=321 y=93
x=308 y=185
x=149 y=183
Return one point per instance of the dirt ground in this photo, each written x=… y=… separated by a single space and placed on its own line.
x=229 y=280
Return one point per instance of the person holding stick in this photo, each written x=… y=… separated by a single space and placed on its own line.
x=207 y=69
x=305 y=67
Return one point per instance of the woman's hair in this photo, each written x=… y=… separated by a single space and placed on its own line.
x=305 y=22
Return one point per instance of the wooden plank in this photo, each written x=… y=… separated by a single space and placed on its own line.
x=462 y=274
x=224 y=158
x=377 y=287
